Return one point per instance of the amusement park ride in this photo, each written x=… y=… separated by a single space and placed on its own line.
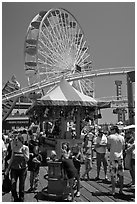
x=55 y=47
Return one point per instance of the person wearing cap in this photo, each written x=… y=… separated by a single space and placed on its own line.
x=116 y=145
x=18 y=167
x=100 y=147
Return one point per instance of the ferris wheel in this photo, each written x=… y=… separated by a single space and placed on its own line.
x=55 y=46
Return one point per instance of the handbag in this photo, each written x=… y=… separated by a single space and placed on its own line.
x=127 y=160
x=6 y=185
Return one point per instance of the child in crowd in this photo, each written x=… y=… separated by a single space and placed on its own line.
x=53 y=157
x=66 y=150
x=34 y=162
x=69 y=170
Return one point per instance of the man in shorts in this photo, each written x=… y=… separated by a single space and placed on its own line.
x=116 y=145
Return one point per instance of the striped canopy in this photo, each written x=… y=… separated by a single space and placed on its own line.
x=65 y=95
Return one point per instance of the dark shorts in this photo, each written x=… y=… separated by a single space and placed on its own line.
x=101 y=158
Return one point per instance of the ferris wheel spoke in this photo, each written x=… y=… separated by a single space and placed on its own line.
x=86 y=89
x=55 y=34
x=54 y=37
x=80 y=86
x=84 y=62
x=82 y=58
x=78 y=38
x=62 y=28
x=48 y=40
x=66 y=30
x=50 y=58
x=79 y=47
x=75 y=33
x=73 y=39
x=66 y=42
x=53 y=50
x=86 y=65
x=69 y=31
x=60 y=38
x=54 y=55
x=79 y=51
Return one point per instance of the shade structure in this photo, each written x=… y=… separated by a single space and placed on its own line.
x=103 y=104
x=129 y=127
x=65 y=95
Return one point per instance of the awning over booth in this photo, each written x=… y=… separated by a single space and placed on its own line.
x=64 y=94
x=103 y=104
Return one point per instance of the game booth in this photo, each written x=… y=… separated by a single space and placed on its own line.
x=60 y=113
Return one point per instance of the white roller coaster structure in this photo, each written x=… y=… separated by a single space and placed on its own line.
x=55 y=47
x=74 y=77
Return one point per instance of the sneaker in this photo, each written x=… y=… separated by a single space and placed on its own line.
x=78 y=194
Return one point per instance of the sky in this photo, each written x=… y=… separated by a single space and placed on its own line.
x=109 y=28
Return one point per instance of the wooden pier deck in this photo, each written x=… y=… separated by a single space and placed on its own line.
x=91 y=191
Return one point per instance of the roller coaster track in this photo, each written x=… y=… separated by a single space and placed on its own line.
x=72 y=77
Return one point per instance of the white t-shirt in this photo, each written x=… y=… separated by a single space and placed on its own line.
x=102 y=141
x=116 y=143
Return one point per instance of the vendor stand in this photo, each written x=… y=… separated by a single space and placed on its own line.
x=60 y=113
x=59 y=108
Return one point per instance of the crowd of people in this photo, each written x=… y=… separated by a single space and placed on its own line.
x=21 y=153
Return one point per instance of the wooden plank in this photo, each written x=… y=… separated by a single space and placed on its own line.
x=88 y=196
x=81 y=199
x=102 y=194
x=91 y=191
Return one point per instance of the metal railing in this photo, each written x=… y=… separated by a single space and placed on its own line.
x=73 y=77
